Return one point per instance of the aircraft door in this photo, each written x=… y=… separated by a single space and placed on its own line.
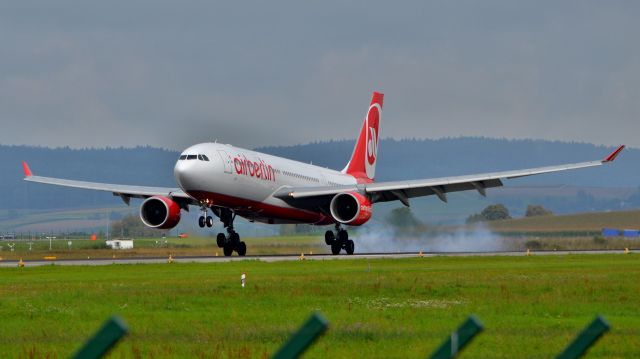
x=226 y=160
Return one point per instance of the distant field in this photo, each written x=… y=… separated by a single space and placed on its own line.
x=59 y=221
x=593 y=222
x=159 y=247
x=531 y=306
x=570 y=232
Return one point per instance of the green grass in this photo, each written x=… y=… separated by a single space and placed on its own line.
x=531 y=306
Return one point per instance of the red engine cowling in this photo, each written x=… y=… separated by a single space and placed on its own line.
x=160 y=212
x=350 y=208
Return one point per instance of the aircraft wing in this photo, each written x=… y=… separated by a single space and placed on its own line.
x=403 y=190
x=125 y=192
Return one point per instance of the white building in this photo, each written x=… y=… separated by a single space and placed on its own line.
x=120 y=244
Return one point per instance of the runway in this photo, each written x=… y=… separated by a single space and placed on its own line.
x=292 y=257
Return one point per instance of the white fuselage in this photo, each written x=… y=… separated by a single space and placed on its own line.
x=245 y=181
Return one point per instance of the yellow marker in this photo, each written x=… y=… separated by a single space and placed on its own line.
x=626 y=251
x=310 y=253
x=301 y=256
x=50 y=258
x=21 y=263
x=216 y=254
x=170 y=260
x=420 y=254
x=114 y=256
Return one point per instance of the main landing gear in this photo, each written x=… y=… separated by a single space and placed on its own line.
x=230 y=242
x=339 y=240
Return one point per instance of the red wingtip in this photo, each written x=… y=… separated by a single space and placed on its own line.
x=27 y=170
x=614 y=154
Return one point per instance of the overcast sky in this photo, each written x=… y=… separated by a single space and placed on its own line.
x=174 y=73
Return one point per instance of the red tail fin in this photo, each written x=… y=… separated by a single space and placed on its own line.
x=365 y=155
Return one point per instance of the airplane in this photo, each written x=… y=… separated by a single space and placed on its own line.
x=229 y=181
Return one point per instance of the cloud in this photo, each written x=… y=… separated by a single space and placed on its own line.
x=169 y=75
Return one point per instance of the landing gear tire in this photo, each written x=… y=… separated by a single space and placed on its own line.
x=228 y=249
x=201 y=221
x=338 y=240
x=209 y=221
x=342 y=236
x=350 y=247
x=335 y=248
x=220 y=240
x=241 y=248
x=329 y=237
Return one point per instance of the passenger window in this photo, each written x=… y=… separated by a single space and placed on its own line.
x=200 y=157
x=183 y=157
x=192 y=157
x=205 y=158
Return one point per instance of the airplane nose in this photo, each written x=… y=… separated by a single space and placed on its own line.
x=179 y=173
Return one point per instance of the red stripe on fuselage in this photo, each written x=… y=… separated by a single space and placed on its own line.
x=249 y=208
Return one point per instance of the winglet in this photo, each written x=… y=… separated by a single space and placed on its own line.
x=614 y=154
x=27 y=170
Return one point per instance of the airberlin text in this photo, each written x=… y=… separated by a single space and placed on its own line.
x=258 y=169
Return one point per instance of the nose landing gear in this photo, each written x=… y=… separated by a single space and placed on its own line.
x=205 y=219
x=339 y=240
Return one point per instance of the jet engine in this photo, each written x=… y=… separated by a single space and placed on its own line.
x=160 y=212
x=350 y=208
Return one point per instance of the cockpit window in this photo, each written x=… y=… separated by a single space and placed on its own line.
x=195 y=157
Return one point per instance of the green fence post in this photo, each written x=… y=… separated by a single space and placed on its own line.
x=585 y=339
x=103 y=340
x=458 y=339
x=315 y=326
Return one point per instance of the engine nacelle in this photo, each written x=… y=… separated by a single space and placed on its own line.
x=350 y=208
x=160 y=212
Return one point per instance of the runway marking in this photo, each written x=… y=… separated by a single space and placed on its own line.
x=296 y=257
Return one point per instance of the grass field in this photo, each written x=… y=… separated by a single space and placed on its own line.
x=531 y=306
x=570 y=223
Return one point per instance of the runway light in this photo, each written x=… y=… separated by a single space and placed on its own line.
x=216 y=254
x=528 y=252
x=626 y=251
x=420 y=254
x=21 y=263
x=243 y=279
x=170 y=260
x=302 y=256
